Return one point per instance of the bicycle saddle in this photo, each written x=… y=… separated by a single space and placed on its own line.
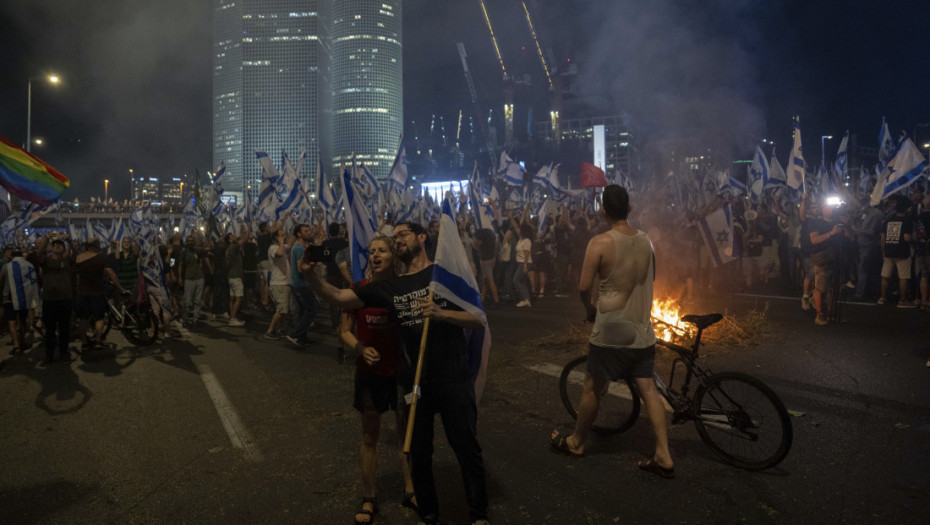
x=702 y=321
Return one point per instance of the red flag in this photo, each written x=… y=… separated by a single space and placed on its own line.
x=591 y=175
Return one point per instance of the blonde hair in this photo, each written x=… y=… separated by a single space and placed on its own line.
x=389 y=242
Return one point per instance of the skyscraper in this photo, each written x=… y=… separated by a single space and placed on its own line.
x=269 y=83
x=367 y=83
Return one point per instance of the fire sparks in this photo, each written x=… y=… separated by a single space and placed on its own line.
x=666 y=321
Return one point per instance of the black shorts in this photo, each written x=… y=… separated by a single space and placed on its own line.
x=375 y=393
x=611 y=364
x=14 y=315
x=94 y=306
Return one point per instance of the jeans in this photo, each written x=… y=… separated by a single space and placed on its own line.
x=455 y=404
x=305 y=309
x=56 y=317
x=193 y=294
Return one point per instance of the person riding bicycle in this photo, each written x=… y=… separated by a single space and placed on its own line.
x=622 y=342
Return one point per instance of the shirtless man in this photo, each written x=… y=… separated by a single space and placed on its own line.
x=622 y=342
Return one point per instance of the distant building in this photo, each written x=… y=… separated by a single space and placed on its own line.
x=171 y=190
x=578 y=138
x=270 y=66
x=367 y=83
x=146 y=189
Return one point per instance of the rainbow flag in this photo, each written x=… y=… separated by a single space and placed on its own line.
x=27 y=177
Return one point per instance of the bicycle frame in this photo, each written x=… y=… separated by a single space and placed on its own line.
x=680 y=401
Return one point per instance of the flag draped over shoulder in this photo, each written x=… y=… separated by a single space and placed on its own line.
x=592 y=176
x=717 y=232
x=361 y=227
x=22 y=283
x=904 y=169
x=27 y=177
x=795 y=165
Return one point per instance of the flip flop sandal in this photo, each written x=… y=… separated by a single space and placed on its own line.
x=559 y=443
x=653 y=467
x=371 y=513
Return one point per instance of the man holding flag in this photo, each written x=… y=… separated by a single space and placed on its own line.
x=447 y=387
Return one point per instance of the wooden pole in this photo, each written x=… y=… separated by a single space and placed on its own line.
x=416 y=381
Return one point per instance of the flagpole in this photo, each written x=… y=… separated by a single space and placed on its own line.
x=416 y=381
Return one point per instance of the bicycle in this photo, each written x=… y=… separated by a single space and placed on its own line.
x=738 y=417
x=137 y=322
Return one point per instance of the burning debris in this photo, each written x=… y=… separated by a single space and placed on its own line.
x=729 y=331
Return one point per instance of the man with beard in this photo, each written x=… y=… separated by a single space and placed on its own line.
x=446 y=386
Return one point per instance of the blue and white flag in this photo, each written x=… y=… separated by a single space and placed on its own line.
x=22 y=283
x=21 y=220
x=454 y=281
x=796 y=167
x=777 y=177
x=839 y=167
x=267 y=194
x=218 y=188
x=542 y=176
x=117 y=231
x=399 y=168
x=904 y=169
x=293 y=191
x=324 y=193
x=484 y=216
x=758 y=172
x=717 y=231
x=542 y=215
x=512 y=172
x=366 y=183
x=886 y=147
x=361 y=227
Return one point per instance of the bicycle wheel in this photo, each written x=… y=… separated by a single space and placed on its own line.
x=140 y=326
x=742 y=421
x=619 y=406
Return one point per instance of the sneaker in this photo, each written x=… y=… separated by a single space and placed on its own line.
x=224 y=315
x=906 y=304
x=294 y=340
x=821 y=320
x=236 y=322
x=272 y=336
x=525 y=302
x=851 y=285
x=805 y=302
x=881 y=300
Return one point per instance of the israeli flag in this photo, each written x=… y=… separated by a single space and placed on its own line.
x=14 y=223
x=218 y=188
x=117 y=230
x=361 y=226
x=886 y=147
x=717 y=231
x=267 y=194
x=293 y=194
x=453 y=278
x=512 y=172
x=22 y=283
x=484 y=216
x=323 y=192
x=542 y=176
x=777 y=177
x=542 y=215
x=758 y=172
x=904 y=169
x=796 y=167
x=842 y=159
x=454 y=281
x=399 y=168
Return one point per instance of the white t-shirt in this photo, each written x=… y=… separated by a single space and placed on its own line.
x=280 y=266
x=525 y=249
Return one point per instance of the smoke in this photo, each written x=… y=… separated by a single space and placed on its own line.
x=685 y=72
x=136 y=87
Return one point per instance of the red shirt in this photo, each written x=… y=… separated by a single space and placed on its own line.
x=376 y=327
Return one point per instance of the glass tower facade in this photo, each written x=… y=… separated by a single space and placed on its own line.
x=367 y=83
x=270 y=85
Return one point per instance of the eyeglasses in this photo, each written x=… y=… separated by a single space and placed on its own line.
x=401 y=233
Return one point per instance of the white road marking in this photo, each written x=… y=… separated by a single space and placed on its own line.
x=785 y=298
x=240 y=437
x=577 y=378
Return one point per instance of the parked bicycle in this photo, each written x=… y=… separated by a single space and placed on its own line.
x=738 y=416
x=135 y=319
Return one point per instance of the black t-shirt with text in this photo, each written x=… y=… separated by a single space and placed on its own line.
x=894 y=229
x=444 y=360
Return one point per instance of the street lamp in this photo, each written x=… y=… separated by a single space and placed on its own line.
x=823 y=153
x=106 y=187
x=52 y=79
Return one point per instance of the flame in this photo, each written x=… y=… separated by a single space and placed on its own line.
x=666 y=321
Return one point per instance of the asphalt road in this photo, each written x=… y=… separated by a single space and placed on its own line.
x=221 y=426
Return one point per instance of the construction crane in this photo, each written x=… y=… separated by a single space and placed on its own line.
x=485 y=132
x=554 y=79
x=508 y=81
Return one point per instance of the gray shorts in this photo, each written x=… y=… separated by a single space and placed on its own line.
x=610 y=364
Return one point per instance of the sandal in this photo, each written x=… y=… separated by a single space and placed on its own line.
x=653 y=467
x=408 y=501
x=559 y=443
x=370 y=513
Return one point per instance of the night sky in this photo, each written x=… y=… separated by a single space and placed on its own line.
x=137 y=74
